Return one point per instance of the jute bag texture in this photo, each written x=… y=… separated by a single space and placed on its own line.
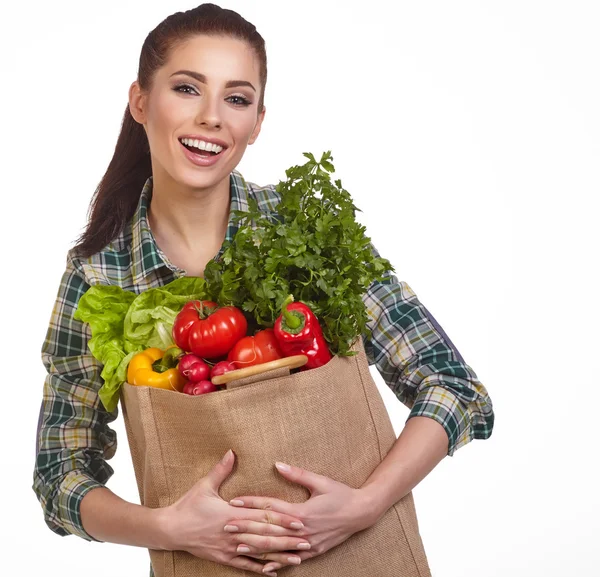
x=330 y=420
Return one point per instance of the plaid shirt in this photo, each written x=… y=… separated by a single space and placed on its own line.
x=411 y=351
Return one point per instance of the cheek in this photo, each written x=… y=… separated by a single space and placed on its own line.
x=244 y=126
x=165 y=114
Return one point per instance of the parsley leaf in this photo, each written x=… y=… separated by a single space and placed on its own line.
x=312 y=248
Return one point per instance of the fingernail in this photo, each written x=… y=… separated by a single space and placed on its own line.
x=296 y=525
x=303 y=546
x=294 y=560
x=270 y=573
x=243 y=549
x=236 y=503
x=282 y=466
x=226 y=457
x=231 y=528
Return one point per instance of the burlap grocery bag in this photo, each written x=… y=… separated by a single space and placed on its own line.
x=330 y=420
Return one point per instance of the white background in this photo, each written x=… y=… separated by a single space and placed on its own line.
x=468 y=132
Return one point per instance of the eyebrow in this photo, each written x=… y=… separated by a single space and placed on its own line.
x=202 y=78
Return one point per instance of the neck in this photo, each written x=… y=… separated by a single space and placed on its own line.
x=186 y=217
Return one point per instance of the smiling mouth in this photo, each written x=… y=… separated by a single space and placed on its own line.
x=202 y=148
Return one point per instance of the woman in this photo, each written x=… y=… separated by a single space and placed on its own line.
x=162 y=211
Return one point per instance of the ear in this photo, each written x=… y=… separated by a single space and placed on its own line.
x=137 y=103
x=257 y=126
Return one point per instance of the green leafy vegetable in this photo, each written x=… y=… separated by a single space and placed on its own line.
x=312 y=247
x=104 y=309
x=123 y=323
x=149 y=320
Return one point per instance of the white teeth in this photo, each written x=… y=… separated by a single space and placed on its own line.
x=202 y=145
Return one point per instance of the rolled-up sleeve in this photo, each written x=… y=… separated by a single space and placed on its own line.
x=73 y=437
x=422 y=366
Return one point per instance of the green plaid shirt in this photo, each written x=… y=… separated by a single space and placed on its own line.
x=411 y=351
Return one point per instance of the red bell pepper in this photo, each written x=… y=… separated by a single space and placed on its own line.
x=299 y=333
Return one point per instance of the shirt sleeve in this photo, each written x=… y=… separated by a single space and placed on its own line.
x=421 y=365
x=73 y=440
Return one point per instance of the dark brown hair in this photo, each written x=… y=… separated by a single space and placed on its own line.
x=117 y=195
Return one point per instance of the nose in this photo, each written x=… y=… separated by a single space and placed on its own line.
x=208 y=113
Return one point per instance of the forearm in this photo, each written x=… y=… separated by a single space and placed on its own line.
x=107 y=517
x=421 y=445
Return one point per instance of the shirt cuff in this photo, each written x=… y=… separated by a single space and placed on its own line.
x=73 y=488
x=438 y=403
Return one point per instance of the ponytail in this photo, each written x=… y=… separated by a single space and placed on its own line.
x=118 y=193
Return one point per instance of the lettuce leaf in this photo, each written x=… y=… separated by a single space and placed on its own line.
x=149 y=320
x=123 y=324
x=104 y=309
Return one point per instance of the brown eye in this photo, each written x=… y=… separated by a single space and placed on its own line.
x=184 y=88
x=239 y=100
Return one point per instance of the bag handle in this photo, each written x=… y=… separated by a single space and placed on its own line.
x=292 y=362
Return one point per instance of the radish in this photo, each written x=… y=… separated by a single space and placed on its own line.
x=203 y=387
x=198 y=372
x=221 y=368
x=193 y=368
x=188 y=388
x=187 y=361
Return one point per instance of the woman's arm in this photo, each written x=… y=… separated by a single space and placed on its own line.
x=421 y=365
x=422 y=444
x=107 y=517
x=195 y=523
x=74 y=440
x=336 y=511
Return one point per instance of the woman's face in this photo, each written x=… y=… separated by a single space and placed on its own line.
x=206 y=95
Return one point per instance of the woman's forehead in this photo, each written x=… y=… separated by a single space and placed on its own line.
x=218 y=58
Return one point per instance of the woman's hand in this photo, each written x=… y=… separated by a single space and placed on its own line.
x=203 y=524
x=333 y=513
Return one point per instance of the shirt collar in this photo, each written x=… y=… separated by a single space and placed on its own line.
x=146 y=256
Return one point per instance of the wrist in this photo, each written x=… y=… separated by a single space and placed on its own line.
x=159 y=523
x=374 y=501
x=370 y=507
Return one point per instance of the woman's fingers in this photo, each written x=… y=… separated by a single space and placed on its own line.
x=259 y=528
x=250 y=565
x=249 y=544
x=271 y=517
x=277 y=560
x=266 y=503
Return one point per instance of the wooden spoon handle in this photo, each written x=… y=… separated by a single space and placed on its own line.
x=292 y=362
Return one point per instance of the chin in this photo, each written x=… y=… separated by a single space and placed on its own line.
x=203 y=177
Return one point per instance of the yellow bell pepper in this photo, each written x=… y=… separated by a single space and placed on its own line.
x=141 y=373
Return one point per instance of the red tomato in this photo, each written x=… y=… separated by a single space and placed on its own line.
x=261 y=348
x=208 y=331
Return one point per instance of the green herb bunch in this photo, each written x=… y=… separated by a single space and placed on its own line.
x=312 y=247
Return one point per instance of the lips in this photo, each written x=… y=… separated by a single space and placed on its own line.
x=208 y=139
x=203 y=160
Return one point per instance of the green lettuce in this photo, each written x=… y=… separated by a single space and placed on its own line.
x=104 y=309
x=149 y=320
x=123 y=324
